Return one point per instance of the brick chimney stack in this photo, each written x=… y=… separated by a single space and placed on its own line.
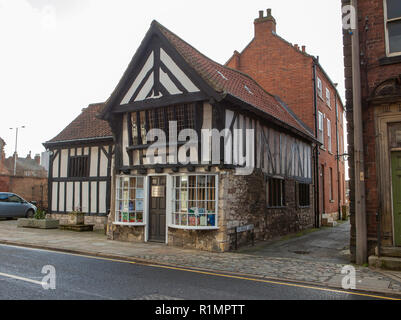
x=37 y=158
x=264 y=25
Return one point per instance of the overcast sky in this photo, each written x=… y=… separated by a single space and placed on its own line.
x=58 y=56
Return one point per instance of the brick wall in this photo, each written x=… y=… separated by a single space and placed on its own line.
x=372 y=49
x=286 y=70
x=29 y=188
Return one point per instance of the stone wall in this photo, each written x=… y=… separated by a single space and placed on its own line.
x=245 y=203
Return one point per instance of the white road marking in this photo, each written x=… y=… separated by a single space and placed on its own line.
x=6 y=275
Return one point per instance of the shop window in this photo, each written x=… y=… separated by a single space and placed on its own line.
x=303 y=195
x=195 y=201
x=78 y=167
x=130 y=200
x=275 y=193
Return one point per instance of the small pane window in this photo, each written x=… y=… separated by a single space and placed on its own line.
x=304 y=195
x=78 y=167
x=195 y=201
x=275 y=193
x=130 y=200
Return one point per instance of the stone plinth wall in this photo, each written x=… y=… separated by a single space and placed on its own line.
x=98 y=222
x=125 y=233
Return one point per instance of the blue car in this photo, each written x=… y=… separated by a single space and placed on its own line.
x=13 y=206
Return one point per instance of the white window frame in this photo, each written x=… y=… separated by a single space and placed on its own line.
x=173 y=206
x=319 y=87
x=328 y=97
x=329 y=142
x=321 y=128
x=145 y=199
x=386 y=21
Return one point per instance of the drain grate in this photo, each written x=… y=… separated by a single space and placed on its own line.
x=301 y=252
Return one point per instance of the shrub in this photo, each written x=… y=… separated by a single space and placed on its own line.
x=40 y=214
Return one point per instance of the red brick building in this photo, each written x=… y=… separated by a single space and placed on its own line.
x=287 y=71
x=380 y=84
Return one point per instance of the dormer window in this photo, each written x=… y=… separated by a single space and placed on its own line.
x=392 y=16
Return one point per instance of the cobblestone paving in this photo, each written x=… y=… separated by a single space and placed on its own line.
x=315 y=272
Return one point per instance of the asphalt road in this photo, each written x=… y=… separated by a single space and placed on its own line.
x=79 y=277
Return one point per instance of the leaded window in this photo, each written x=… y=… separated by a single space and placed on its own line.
x=78 y=167
x=160 y=118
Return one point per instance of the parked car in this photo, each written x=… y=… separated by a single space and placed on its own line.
x=13 y=206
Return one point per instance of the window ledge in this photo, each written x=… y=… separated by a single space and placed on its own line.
x=390 y=60
x=304 y=207
x=129 y=224
x=323 y=148
x=193 y=228
x=283 y=207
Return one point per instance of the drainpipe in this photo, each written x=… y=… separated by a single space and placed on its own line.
x=338 y=163
x=360 y=205
x=317 y=212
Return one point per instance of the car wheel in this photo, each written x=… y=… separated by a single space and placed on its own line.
x=30 y=214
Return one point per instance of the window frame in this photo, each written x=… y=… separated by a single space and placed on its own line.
x=158 y=118
x=173 y=199
x=300 y=186
x=269 y=191
x=328 y=97
x=329 y=136
x=117 y=201
x=386 y=31
x=320 y=129
x=319 y=87
x=85 y=171
x=331 y=185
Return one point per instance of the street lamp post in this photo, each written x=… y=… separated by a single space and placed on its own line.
x=16 y=144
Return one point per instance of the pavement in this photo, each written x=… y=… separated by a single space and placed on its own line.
x=269 y=264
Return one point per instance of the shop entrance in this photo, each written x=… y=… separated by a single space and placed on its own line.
x=157 y=209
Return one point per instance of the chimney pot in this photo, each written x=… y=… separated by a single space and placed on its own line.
x=260 y=14
x=269 y=12
x=303 y=48
x=296 y=46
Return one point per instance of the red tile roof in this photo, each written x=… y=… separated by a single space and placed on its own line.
x=227 y=80
x=85 y=126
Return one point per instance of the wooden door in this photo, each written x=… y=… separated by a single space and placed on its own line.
x=157 y=212
x=396 y=180
x=321 y=191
